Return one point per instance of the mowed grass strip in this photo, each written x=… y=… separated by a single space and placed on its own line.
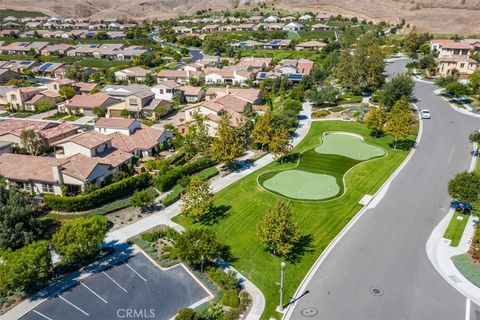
x=245 y=203
x=456 y=227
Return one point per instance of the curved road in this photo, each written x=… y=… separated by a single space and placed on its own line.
x=386 y=248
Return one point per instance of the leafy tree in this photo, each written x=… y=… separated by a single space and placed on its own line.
x=280 y=145
x=276 y=230
x=34 y=142
x=228 y=143
x=197 y=139
x=465 y=187
x=99 y=112
x=18 y=223
x=214 y=44
x=474 y=81
x=474 y=137
x=188 y=314
x=80 y=239
x=197 y=246
x=125 y=114
x=263 y=129
x=400 y=86
x=150 y=79
x=325 y=95
x=376 y=119
x=45 y=105
x=142 y=199
x=22 y=269
x=456 y=89
x=67 y=92
x=400 y=122
x=197 y=200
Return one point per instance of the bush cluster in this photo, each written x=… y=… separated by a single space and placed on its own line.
x=99 y=197
x=166 y=181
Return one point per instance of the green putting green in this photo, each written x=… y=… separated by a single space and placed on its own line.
x=320 y=170
x=308 y=186
x=348 y=145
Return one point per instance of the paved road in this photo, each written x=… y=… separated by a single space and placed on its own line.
x=385 y=249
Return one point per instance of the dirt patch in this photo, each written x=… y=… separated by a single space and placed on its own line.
x=124 y=217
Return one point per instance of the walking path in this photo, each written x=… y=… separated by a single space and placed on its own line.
x=440 y=252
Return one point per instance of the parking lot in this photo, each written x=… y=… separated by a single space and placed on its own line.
x=132 y=289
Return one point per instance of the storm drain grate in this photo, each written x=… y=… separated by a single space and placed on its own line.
x=376 y=291
x=309 y=312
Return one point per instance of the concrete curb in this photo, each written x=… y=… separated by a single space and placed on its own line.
x=440 y=252
x=377 y=197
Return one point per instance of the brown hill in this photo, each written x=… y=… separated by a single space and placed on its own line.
x=438 y=16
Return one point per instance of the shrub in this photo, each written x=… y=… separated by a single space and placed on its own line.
x=166 y=181
x=158 y=165
x=320 y=114
x=99 y=197
x=230 y=298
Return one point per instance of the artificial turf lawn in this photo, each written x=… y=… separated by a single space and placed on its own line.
x=349 y=146
x=244 y=203
x=320 y=170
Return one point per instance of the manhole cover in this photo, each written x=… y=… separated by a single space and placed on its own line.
x=309 y=312
x=376 y=291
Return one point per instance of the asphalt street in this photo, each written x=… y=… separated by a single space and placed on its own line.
x=380 y=269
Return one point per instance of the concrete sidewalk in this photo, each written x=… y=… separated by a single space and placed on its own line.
x=440 y=254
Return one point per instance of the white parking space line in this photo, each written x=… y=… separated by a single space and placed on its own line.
x=114 y=281
x=42 y=315
x=467 y=310
x=74 y=306
x=96 y=294
x=138 y=274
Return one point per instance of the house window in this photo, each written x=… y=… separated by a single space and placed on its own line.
x=47 y=188
x=462 y=65
x=161 y=91
x=133 y=102
x=13 y=97
x=55 y=87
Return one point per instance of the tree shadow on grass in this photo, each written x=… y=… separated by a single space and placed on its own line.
x=303 y=246
x=377 y=134
x=289 y=158
x=215 y=215
x=404 y=145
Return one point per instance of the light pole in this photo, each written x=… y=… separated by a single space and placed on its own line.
x=280 y=306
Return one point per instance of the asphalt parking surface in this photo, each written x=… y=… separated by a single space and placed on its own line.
x=133 y=289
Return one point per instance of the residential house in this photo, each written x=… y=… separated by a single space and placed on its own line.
x=178 y=76
x=305 y=17
x=449 y=48
x=255 y=64
x=141 y=105
x=7 y=74
x=56 y=49
x=292 y=26
x=462 y=65
x=277 y=44
x=123 y=91
x=271 y=19
x=84 y=104
x=251 y=95
x=323 y=16
x=192 y=94
x=211 y=28
x=166 y=90
x=28 y=98
x=311 y=45
x=320 y=27
x=131 y=136
x=233 y=76
x=132 y=75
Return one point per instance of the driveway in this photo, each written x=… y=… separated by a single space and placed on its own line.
x=380 y=268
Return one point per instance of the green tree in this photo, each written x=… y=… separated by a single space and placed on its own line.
x=34 y=142
x=376 y=119
x=80 y=239
x=400 y=121
x=18 y=223
x=142 y=199
x=276 y=230
x=263 y=129
x=280 y=145
x=197 y=200
x=228 y=143
x=150 y=79
x=45 y=105
x=125 y=114
x=99 y=112
x=324 y=96
x=400 y=86
x=474 y=137
x=67 y=92
x=188 y=314
x=474 y=82
x=456 y=89
x=465 y=186
x=197 y=246
x=24 y=268
x=197 y=140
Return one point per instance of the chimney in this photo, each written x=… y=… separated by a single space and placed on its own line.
x=57 y=175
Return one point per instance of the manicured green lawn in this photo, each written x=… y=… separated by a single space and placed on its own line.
x=468 y=268
x=245 y=202
x=455 y=228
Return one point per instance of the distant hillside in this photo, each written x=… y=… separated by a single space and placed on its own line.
x=438 y=16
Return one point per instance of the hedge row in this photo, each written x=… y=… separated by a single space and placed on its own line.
x=165 y=182
x=101 y=196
